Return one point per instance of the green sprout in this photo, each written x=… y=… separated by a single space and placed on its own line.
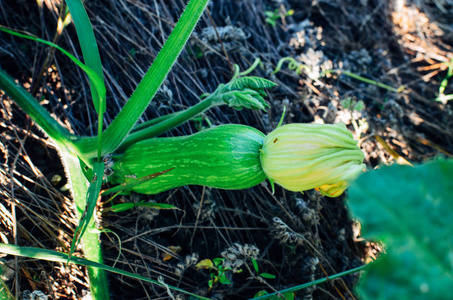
x=217 y=271
x=273 y=16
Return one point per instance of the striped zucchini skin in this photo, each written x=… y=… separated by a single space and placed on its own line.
x=224 y=157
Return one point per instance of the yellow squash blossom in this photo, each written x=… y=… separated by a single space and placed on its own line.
x=300 y=157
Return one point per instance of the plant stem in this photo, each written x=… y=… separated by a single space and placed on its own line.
x=90 y=240
x=165 y=125
x=151 y=122
x=370 y=81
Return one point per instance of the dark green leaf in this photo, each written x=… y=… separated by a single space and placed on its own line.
x=224 y=280
x=126 y=206
x=260 y=293
x=90 y=50
x=411 y=211
x=267 y=276
x=255 y=264
x=122 y=207
x=217 y=261
x=249 y=82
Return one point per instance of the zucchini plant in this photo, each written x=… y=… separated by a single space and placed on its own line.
x=229 y=156
x=298 y=157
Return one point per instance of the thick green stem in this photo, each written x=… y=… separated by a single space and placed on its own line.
x=41 y=116
x=136 y=105
x=176 y=120
x=90 y=240
x=151 y=122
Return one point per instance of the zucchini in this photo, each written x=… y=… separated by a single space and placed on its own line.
x=224 y=157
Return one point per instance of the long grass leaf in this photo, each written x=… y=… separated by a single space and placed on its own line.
x=309 y=284
x=97 y=81
x=41 y=116
x=89 y=48
x=55 y=256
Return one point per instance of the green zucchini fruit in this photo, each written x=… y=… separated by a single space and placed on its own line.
x=224 y=157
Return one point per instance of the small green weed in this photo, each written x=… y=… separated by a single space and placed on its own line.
x=273 y=16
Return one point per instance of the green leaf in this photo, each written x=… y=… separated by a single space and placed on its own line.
x=205 y=264
x=245 y=92
x=90 y=50
x=92 y=197
x=218 y=261
x=121 y=207
x=127 y=206
x=250 y=82
x=255 y=264
x=97 y=81
x=411 y=211
x=260 y=294
x=5 y=293
x=268 y=276
x=224 y=280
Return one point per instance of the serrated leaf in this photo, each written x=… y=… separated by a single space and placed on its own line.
x=411 y=211
x=245 y=92
x=205 y=264
x=250 y=82
x=267 y=276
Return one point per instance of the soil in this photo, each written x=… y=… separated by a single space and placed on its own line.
x=404 y=45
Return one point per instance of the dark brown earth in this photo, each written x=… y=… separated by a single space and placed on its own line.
x=402 y=44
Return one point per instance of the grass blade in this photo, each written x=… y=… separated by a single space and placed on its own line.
x=309 y=284
x=89 y=48
x=55 y=256
x=41 y=116
x=96 y=80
